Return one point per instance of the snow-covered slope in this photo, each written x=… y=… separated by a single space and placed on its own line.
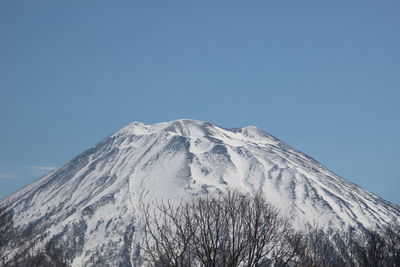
x=89 y=204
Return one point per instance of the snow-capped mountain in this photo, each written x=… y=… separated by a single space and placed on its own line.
x=89 y=205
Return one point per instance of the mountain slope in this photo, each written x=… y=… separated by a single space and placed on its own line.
x=90 y=203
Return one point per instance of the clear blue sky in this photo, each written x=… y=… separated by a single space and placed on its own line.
x=323 y=76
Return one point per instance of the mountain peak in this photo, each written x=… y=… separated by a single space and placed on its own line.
x=142 y=128
x=195 y=129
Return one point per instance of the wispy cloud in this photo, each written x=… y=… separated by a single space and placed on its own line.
x=7 y=176
x=41 y=169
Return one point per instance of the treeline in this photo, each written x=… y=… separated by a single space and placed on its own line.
x=20 y=248
x=238 y=230
x=224 y=230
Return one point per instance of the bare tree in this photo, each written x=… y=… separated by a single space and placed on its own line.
x=233 y=229
x=167 y=231
x=378 y=247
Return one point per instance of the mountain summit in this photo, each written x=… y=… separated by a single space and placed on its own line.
x=90 y=203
